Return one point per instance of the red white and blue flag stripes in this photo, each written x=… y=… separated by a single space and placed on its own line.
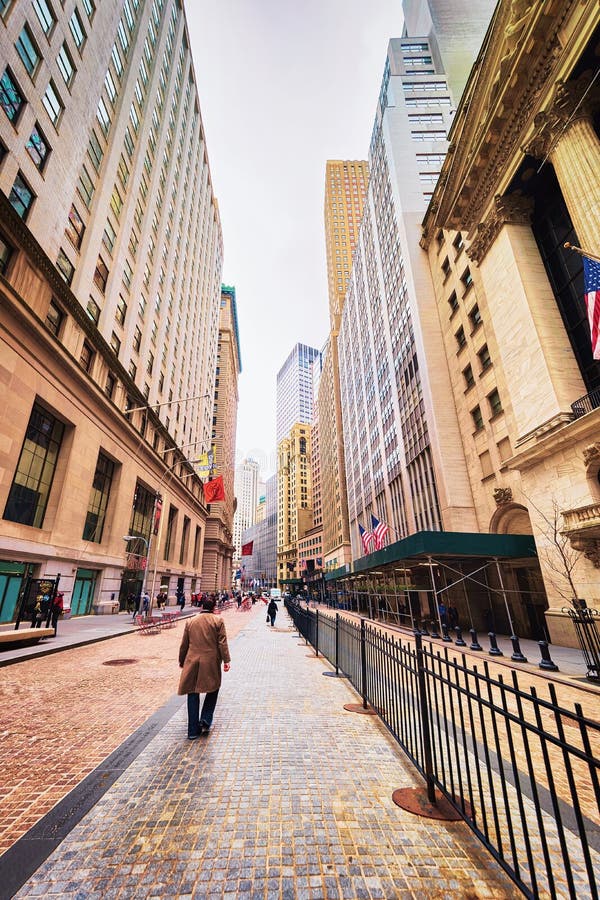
x=591 y=278
x=380 y=530
x=367 y=538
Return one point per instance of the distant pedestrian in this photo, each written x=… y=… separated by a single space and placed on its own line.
x=36 y=613
x=180 y=599
x=56 y=611
x=203 y=649
x=145 y=603
x=271 y=612
x=452 y=616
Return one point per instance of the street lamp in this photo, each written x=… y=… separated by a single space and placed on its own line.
x=138 y=537
x=167 y=403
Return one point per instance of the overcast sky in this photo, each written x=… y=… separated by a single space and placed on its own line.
x=284 y=86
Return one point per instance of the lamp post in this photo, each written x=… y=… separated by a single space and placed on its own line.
x=139 y=537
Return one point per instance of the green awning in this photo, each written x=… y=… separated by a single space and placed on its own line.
x=463 y=544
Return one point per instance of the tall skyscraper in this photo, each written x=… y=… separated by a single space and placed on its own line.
x=111 y=248
x=294 y=498
x=217 y=560
x=294 y=390
x=246 y=495
x=394 y=391
x=345 y=191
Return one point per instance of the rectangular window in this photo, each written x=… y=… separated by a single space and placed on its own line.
x=128 y=143
x=89 y=7
x=495 y=403
x=98 y=500
x=467 y=278
x=86 y=357
x=150 y=363
x=21 y=196
x=111 y=90
x=116 y=202
x=54 y=318
x=76 y=26
x=109 y=387
x=93 y=310
x=185 y=534
x=115 y=343
x=103 y=117
x=121 y=311
x=109 y=236
x=477 y=418
x=75 y=228
x=85 y=187
x=475 y=317
x=65 y=266
x=453 y=302
x=484 y=358
x=28 y=51
x=45 y=14
x=123 y=171
x=135 y=121
x=171 y=524
x=127 y=274
x=38 y=148
x=101 y=274
x=6 y=252
x=5 y=5
x=117 y=61
x=65 y=65
x=11 y=99
x=132 y=370
x=469 y=377
x=95 y=151
x=137 y=339
x=460 y=338
x=30 y=489
x=52 y=103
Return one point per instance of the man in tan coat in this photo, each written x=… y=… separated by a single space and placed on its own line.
x=203 y=649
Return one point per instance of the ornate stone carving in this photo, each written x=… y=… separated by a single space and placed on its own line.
x=591 y=551
x=591 y=454
x=514 y=209
x=503 y=495
x=572 y=100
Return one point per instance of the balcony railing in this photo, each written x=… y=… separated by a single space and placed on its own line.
x=582 y=517
x=586 y=404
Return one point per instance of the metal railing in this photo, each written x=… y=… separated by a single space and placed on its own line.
x=586 y=404
x=522 y=771
x=587 y=627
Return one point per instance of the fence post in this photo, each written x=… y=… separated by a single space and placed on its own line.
x=363 y=662
x=337 y=643
x=422 y=687
x=317 y=633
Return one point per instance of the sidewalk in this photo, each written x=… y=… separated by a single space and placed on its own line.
x=288 y=797
x=75 y=632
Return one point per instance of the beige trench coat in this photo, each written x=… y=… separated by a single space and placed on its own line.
x=203 y=649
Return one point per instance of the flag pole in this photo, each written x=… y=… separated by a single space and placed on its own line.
x=579 y=250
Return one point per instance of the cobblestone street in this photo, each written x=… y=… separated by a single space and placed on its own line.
x=289 y=796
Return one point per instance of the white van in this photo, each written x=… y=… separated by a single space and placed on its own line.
x=275 y=594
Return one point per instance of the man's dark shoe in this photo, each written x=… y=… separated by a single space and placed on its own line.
x=193 y=737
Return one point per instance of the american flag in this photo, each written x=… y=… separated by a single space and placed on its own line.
x=366 y=537
x=380 y=529
x=591 y=278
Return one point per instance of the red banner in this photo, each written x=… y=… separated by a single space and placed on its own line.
x=214 y=490
x=247 y=548
x=157 y=514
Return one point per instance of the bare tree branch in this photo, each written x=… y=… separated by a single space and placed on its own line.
x=563 y=558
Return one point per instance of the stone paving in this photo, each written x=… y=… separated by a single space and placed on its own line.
x=288 y=797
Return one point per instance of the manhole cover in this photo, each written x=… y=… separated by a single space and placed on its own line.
x=119 y=662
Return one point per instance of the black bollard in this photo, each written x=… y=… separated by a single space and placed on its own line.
x=423 y=629
x=517 y=656
x=546 y=662
x=459 y=638
x=474 y=645
x=494 y=648
x=433 y=632
x=445 y=636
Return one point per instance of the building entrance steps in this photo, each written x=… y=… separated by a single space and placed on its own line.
x=289 y=796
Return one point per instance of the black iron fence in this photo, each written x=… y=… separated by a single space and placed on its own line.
x=522 y=770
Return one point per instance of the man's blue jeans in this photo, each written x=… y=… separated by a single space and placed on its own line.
x=195 y=720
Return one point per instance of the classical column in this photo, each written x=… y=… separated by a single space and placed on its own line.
x=565 y=133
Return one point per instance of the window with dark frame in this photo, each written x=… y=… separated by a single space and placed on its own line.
x=65 y=266
x=38 y=148
x=75 y=228
x=6 y=252
x=93 y=310
x=86 y=357
x=495 y=403
x=21 y=196
x=109 y=385
x=477 y=418
x=453 y=302
x=45 y=14
x=469 y=377
x=467 y=278
x=101 y=274
x=475 y=318
x=66 y=66
x=28 y=51
x=98 y=500
x=11 y=98
x=34 y=474
x=54 y=318
x=484 y=358
x=460 y=338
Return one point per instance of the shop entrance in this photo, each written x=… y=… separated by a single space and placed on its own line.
x=83 y=592
x=11 y=580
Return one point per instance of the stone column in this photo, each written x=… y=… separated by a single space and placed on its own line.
x=565 y=134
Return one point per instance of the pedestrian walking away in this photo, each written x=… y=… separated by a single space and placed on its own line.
x=203 y=649
x=271 y=612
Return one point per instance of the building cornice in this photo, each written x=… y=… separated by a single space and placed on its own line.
x=530 y=46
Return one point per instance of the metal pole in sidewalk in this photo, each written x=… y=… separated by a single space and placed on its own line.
x=425 y=732
x=517 y=655
x=363 y=662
